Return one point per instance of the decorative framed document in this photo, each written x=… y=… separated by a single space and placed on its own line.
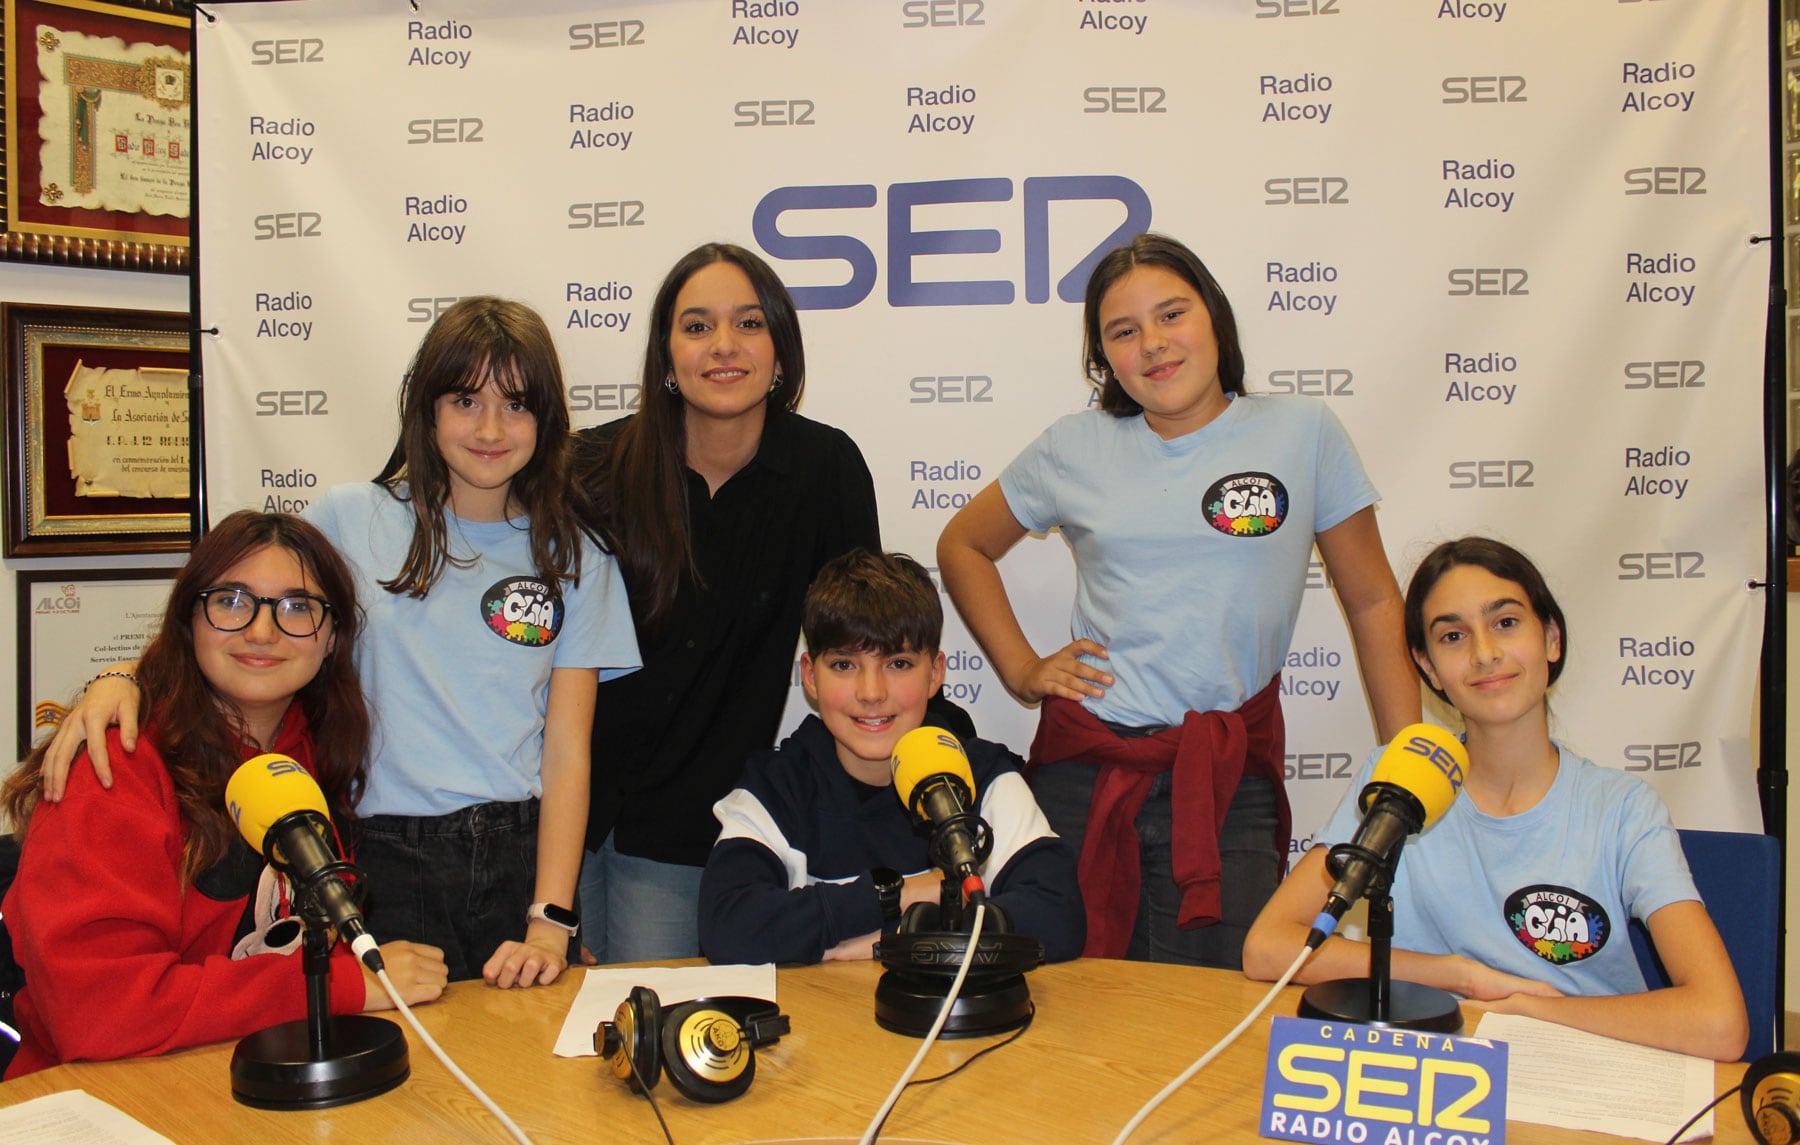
x=96 y=405
x=99 y=100
x=71 y=626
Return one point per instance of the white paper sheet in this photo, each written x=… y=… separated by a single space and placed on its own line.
x=1577 y=1080
x=603 y=988
x=72 y=1117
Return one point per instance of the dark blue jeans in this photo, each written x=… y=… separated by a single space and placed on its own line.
x=461 y=881
x=1250 y=865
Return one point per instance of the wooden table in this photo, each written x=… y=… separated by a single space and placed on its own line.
x=1107 y=1036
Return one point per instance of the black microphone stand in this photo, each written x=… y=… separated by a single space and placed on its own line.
x=923 y=958
x=1378 y=1000
x=324 y=1059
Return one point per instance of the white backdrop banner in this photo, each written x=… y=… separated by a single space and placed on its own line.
x=1507 y=241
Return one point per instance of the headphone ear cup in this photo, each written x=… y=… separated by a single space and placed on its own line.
x=1771 y=1099
x=920 y=918
x=640 y=1021
x=706 y=1053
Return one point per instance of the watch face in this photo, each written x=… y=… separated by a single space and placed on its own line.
x=560 y=915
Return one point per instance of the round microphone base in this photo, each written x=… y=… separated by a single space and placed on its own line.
x=275 y=1068
x=908 y=1004
x=1411 y=1006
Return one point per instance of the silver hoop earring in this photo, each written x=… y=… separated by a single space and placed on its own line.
x=669 y=384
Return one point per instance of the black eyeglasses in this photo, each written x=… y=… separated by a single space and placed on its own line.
x=235 y=609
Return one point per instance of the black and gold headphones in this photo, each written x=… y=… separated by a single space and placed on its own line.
x=706 y=1046
x=1771 y=1099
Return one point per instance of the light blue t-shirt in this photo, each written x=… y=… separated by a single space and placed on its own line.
x=1191 y=554
x=458 y=682
x=1545 y=894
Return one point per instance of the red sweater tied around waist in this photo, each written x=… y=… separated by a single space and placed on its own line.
x=1208 y=752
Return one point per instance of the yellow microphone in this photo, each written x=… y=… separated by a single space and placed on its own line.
x=280 y=811
x=1414 y=782
x=932 y=777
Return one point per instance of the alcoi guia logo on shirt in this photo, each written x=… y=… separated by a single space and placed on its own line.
x=1246 y=504
x=523 y=610
x=1557 y=924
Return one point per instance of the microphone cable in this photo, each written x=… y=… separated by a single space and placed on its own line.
x=1150 y=1106
x=971 y=1060
x=931 y=1036
x=455 y=1070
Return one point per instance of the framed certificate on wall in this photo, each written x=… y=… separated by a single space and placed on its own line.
x=71 y=626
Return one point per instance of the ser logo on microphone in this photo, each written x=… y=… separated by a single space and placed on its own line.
x=1440 y=757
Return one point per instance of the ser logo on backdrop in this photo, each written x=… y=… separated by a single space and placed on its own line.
x=909 y=250
x=606 y=34
x=951 y=389
x=1493 y=473
x=1276 y=9
x=1314 y=381
x=1666 y=374
x=1484 y=89
x=428 y=309
x=1307 y=191
x=943 y=13
x=1305 y=765
x=1667 y=180
x=445 y=129
x=1488 y=281
x=1665 y=565
x=1104 y=100
x=1662 y=756
x=773 y=113
x=288 y=225
x=267 y=53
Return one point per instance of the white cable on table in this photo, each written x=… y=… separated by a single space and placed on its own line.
x=931 y=1036
x=1209 y=1055
x=455 y=1071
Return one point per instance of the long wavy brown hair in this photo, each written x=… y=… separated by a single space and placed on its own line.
x=198 y=733
x=474 y=340
x=640 y=485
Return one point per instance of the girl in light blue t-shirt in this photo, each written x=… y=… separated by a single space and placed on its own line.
x=1520 y=895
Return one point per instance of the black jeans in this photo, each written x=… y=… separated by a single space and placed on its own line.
x=461 y=881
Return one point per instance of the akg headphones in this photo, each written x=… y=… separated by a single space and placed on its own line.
x=706 y=1046
x=1771 y=1099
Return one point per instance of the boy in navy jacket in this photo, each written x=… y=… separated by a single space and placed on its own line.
x=817 y=857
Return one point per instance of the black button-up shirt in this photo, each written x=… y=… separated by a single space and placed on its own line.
x=671 y=738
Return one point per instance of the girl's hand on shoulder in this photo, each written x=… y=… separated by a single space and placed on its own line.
x=110 y=699
x=538 y=961
x=1063 y=673
x=417 y=971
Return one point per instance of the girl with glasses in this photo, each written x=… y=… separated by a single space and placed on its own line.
x=131 y=913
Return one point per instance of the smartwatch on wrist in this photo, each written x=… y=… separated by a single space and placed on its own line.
x=555 y=915
x=888 y=885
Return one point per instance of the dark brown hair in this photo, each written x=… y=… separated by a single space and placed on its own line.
x=641 y=482
x=1169 y=254
x=872 y=602
x=199 y=735
x=477 y=339
x=1496 y=557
